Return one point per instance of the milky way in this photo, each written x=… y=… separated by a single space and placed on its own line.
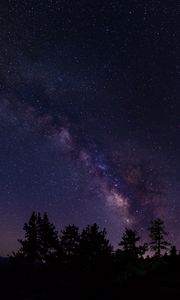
x=130 y=190
x=89 y=115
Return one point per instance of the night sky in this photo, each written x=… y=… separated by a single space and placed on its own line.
x=89 y=114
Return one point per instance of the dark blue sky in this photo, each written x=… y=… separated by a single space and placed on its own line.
x=89 y=114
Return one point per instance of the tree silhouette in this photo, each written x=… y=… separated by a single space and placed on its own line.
x=94 y=248
x=129 y=244
x=157 y=235
x=41 y=239
x=69 y=245
x=69 y=240
x=48 y=237
x=94 y=241
x=173 y=251
x=30 y=245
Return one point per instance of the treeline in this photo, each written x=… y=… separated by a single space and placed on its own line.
x=83 y=264
x=42 y=243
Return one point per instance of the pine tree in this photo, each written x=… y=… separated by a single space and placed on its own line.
x=69 y=246
x=30 y=245
x=129 y=244
x=173 y=251
x=48 y=237
x=41 y=239
x=95 y=252
x=69 y=241
x=93 y=242
x=157 y=235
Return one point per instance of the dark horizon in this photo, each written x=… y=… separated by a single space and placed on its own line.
x=115 y=246
x=89 y=115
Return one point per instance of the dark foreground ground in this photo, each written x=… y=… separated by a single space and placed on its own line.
x=43 y=289
x=41 y=283
x=136 y=290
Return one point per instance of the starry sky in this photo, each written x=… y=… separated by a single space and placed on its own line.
x=89 y=114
